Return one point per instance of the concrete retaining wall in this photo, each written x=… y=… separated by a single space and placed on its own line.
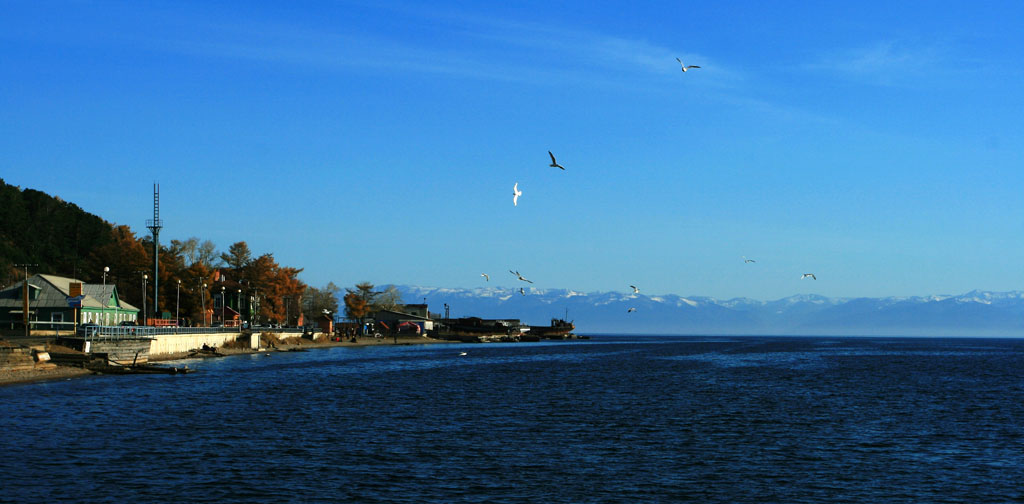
x=181 y=343
x=126 y=351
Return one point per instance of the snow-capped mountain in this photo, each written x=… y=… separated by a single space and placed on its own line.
x=976 y=313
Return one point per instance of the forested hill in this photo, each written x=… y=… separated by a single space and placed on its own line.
x=37 y=228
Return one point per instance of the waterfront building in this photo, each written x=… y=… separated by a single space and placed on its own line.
x=403 y=316
x=52 y=306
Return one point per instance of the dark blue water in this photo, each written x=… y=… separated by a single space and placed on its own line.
x=613 y=419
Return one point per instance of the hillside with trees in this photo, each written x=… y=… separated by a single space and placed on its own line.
x=62 y=239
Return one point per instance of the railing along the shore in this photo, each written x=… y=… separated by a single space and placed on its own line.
x=92 y=333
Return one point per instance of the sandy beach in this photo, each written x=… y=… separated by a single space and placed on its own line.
x=9 y=377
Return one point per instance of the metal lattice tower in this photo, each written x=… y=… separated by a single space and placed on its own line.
x=154 y=226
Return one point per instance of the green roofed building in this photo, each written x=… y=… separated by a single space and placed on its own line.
x=49 y=307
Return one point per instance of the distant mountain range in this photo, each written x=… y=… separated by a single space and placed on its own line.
x=975 y=313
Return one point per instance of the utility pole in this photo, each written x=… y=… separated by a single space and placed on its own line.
x=24 y=306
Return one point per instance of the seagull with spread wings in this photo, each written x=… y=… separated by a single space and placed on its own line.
x=554 y=164
x=685 y=67
x=635 y=289
x=516 y=273
x=516 y=193
x=745 y=260
x=805 y=275
x=486 y=276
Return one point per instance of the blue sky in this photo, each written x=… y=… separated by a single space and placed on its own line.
x=876 y=144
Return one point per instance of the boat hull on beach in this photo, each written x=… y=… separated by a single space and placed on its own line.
x=559 y=329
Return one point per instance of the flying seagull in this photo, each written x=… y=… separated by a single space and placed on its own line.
x=522 y=291
x=462 y=354
x=516 y=193
x=486 y=276
x=745 y=260
x=631 y=310
x=516 y=273
x=685 y=68
x=554 y=164
x=805 y=275
x=635 y=290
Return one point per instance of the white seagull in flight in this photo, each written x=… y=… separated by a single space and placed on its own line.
x=516 y=193
x=805 y=275
x=631 y=310
x=554 y=164
x=635 y=290
x=745 y=260
x=685 y=68
x=522 y=291
x=516 y=273
x=486 y=276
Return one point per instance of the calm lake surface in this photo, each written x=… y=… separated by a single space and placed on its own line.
x=612 y=419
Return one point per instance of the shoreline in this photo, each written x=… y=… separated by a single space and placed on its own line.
x=24 y=376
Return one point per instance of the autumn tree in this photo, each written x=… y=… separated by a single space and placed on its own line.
x=355 y=307
x=274 y=288
x=127 y=258
x=363 y=300
x=238 y=256
x=388 y=299
x=316 y=301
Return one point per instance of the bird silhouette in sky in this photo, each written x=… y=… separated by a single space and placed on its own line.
x=554 y=164
x=516 y=273
x=516 y=193
x=805 y=275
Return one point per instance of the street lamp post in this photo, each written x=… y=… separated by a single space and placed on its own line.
x=144 y=318
x=287 y=309
x=103 y=307
x=177 y=305
x=202 y=301
x=238 y=302
x=25 y=304
x=222 y=303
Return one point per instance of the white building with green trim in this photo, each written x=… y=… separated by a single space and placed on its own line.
x=49 y=307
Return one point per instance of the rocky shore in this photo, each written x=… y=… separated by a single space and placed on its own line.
x=48 y=373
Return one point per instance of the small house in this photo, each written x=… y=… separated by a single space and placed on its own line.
x=52 y=307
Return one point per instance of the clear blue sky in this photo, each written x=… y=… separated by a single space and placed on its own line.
x=876 y=144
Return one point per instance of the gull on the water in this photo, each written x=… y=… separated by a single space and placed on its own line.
x=805 y=275
x=462 y=354
x=516 y=193
x=516 y=273
x=685 y=67
x=554 y=164
x=486 y=276
x=745 y=260
x=635 y=289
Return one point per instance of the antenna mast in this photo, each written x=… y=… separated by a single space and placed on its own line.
x=154 y=226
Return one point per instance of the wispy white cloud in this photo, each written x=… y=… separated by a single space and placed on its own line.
x=884 y=63
x=455 y=44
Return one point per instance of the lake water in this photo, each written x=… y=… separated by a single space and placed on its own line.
x=612 y=419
